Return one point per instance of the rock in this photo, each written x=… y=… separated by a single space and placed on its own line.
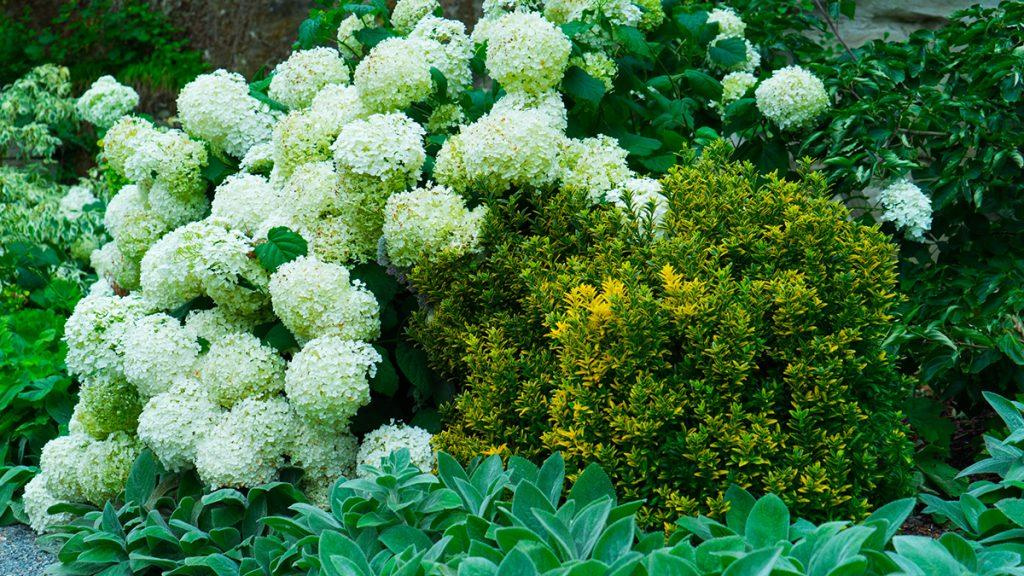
x=19 y=555
x=897 y=19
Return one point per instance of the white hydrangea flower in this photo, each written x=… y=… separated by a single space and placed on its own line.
x=101 y=287
x=735 y=85
x=494 y=9
x=300 y=137
x=245 y=447
x=500 y=150
x=408 y=13
x=107 y=404
x=175 y=206
x=347 y=41
x=228 y=274
x=259 y=159
x=297 y=80
x=244 y=200
x=598 y=65
x=131 y=223
x=644 y=198
x=387 y=149
x=335 y=106
x=449 y=50
x=94 y=330
x=311 y=191
x=59 y=461
x=202 y=257
x=729 y=22
x=112 y=265
x=527 y=53
x=73 y=204
x=323 y=451
x=617 y=12
x=328 y=381
x=594 y=165
x=395 y=74
x=170 y=156
x=167 y=271
x=792 y=97
x=389 y=438
x=105 y=465
x=549 y=103
x=37 y=500
x=335 y=239
x=314 y=298
x=106 y=101
x=172 y=423
x=121 y=140
x=218 y=108
x=156 y=350
x=427 y=221
x=906 y=206
x=239 y=366
x=214 y=323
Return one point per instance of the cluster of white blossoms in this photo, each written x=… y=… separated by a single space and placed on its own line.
x=904 y=204
x=389 y=438
x=106 y=101
x=428 y=221
x=792 y=97
x=218 y=109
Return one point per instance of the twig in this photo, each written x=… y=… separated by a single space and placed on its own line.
x=835 y=28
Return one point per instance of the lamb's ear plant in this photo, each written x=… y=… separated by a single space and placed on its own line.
x=991 y=510
x=165 y=523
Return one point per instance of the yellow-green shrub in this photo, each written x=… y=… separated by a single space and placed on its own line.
x=743 y=344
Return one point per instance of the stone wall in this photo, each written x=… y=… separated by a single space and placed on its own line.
x=247 y=35
x=896 y=19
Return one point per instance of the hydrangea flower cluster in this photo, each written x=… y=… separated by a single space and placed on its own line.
x=218 y=109
x=792 y=97
x=906 y=206
x=106 y=101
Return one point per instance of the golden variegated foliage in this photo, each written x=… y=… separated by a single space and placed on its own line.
x=740 y=344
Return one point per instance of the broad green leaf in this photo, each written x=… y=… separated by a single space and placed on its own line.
x=728 y=52
x=142 y=479
x=282 y=245
x=582 y=86
x=768 y=522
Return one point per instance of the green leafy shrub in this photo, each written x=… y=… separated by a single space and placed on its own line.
x=945 y=109
x=130 y=40
x=741 y=342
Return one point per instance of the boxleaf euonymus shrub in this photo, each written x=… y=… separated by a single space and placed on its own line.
x=739 y=341
x=492 y=520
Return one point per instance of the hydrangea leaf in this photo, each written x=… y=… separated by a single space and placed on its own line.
x=582 y=86
x=728 y=52
x=282 y=245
